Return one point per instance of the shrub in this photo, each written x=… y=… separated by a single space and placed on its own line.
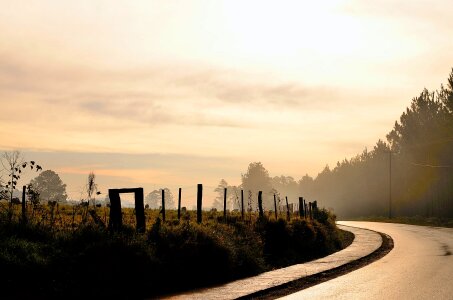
x=88 y=259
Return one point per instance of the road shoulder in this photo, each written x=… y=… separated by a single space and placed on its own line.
x=366 y=247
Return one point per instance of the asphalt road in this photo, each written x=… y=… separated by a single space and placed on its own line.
x=420 y=266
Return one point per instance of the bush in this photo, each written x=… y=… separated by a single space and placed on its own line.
x=89 y=260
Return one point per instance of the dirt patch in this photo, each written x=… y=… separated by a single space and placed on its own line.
x=306 y=282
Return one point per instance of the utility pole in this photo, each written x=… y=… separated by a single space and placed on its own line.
x=390 y=184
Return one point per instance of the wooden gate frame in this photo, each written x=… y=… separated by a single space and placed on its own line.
x=116 y=218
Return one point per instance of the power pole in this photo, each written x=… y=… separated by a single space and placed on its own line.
x=390 y=184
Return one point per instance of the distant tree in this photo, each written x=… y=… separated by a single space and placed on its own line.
x=233 y=195
x=306 y=186
x=286 y=186
x=257 y=179
x=446 y=93
x=49 y=186
x=154 y=199
x=219 y=190
x=422 y=121
x=410 y=174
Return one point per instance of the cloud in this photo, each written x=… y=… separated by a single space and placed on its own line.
x=179 y=95
x=426 y=13
x=234 y=88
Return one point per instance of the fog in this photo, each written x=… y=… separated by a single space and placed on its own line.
x=409 y=174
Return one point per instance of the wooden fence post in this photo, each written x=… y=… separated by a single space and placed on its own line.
x=24 y=212
x=301 y=207
x=179 y=204
x=242 y=204
x=260 y=204
x=140 y=211
x=275 y=206
x=310 y=211
x=224 y=203
x=304 y=207
x=116 y=219
x=315 y=209
x=199 y=202
x=163 y=205
x=287 y=209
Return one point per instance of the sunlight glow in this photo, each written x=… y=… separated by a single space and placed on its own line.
x=280 y=82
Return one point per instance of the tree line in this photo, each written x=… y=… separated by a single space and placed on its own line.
x=411 y=173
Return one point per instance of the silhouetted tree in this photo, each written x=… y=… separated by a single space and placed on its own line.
x=417 y=158
x=13 y=165
x=257 y=179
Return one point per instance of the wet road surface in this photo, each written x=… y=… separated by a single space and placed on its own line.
x=419 y=267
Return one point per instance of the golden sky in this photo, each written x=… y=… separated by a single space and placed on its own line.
x=174 y=93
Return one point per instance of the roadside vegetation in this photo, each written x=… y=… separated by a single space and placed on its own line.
x=58 y=253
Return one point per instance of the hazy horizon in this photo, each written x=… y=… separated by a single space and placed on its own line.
x=175 y=93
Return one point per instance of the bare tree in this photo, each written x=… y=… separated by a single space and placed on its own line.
x=13 y=164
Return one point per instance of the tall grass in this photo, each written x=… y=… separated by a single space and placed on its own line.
x=62 y=256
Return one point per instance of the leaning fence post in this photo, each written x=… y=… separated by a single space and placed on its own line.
x=287 y=209
x=179 y=204
x=242 y=204
x=224 y=203
x=260 y=204
x=199 y=202
x=163 y=205
x=275 y=207
x=24 y=215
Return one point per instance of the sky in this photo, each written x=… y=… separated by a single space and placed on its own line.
x=174 y=93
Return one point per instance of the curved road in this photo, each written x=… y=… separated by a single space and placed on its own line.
x=420 y=266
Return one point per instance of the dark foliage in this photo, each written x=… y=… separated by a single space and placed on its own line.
x=90 y=261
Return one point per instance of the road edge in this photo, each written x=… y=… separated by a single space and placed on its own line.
x=312 y=280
